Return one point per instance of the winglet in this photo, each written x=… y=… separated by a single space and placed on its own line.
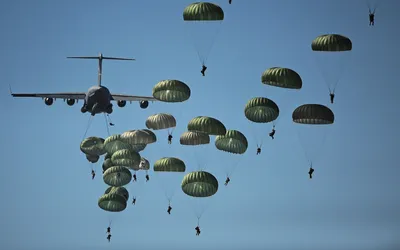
x=10 y=89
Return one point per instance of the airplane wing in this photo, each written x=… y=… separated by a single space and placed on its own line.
x=71 y=95
x=130 y=98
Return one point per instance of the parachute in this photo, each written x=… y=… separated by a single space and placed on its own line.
x=232 y=146
x=135 y=137
x=160 y=121
x=92 y=158
x=93 y=146
x=114 y=143
x=138 y=147
x=283 y=81
x=199 y=186
x=208 y=125
x=313 y=121
x=169 y=172
x=117 y=176
x=107 y=163
x=193 y=138
x=260 y=110
x=112 y=202
x=282 y=78
x=169 y=164
x=144 y=164
x=203 y=20
x=126 y=158
x=232 y=142
x=313 y=114
x=332 y=51
x=118 y=190
x=171 y=91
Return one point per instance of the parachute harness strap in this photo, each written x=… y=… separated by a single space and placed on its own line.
x=87 y=127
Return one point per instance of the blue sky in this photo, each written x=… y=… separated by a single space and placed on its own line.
x=49 y=200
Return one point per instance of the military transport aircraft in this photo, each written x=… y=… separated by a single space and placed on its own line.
x=98 y=98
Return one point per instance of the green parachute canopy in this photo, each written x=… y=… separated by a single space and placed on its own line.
x=140 y=136
x=117 y=176
x=208 y=125
x=107 y=156
x=232 y=142
x=282 y=77
x=153 y=137
x=199 y=184
x=169 y=164
x=138 y=147
x=192 y=138
x=314 y=114
x=93 y=146
x=112 y=202
x=203 y=11
x=114 y=143
x=144 y=164
x=118 y=190
x=171 y=91
x=160 y=121
x=261 y=110
x=92 y=158
x=107 y=163
x=126 y=158
x=331 y=43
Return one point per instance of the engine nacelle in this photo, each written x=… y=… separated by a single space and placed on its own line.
x=144 y=104
x=70 y=102
x=48 y=101
x=121 y=104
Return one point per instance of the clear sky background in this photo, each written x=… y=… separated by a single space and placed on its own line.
x=49 y=200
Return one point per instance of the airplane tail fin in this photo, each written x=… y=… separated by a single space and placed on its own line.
x=100 y=58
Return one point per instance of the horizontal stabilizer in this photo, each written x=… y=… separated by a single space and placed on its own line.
x=101 y=57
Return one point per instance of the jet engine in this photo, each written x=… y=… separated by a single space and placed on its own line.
x=70 y=102
x=48 y=101
x=121 y=103
x=144 y=104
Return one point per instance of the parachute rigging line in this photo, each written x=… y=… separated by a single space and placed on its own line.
x=108 y=129
x=89 y=123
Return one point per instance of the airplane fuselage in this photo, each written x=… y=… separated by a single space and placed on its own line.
x=97 y=100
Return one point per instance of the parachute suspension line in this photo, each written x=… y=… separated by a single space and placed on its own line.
x=91 y=166
x=203 y=59
x=177 y=118
x=256 y=138
x=304 y=147
x=200 y=165
x=89 y=123
x=372 y=8
x=230 y=173
x=107 y=125
x=309 y=159
x=209 y=48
